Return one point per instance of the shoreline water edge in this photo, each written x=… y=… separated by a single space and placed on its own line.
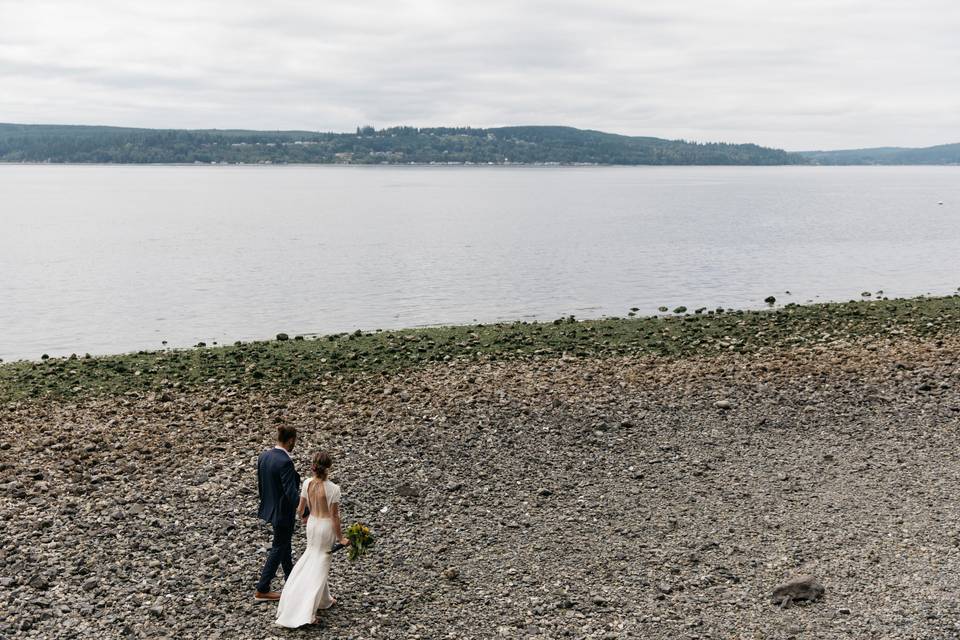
x=302 y=362
x=633 y=478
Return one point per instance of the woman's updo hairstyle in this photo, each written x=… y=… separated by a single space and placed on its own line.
x=322 y=461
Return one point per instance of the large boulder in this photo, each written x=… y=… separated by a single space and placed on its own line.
x=802 y=587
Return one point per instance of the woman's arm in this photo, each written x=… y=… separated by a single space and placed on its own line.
x=335 y=514
x=301 y=507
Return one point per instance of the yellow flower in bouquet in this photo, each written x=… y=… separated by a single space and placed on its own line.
x=361 y=539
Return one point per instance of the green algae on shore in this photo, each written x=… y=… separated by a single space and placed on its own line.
x=302 y=365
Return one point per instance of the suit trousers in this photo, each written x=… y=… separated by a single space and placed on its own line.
x=281 y=554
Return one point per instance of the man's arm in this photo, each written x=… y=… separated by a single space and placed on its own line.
x=259 y=482
x=288 y=479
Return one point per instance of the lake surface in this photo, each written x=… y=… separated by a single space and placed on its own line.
x=104 y=259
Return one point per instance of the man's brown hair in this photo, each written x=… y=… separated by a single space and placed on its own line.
x=286 y=433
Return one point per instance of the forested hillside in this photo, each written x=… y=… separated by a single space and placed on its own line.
x=397 y=145
x=940 y=154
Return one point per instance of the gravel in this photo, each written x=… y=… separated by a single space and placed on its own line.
x=627 y=497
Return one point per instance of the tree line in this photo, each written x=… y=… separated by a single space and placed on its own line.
x=367 y=145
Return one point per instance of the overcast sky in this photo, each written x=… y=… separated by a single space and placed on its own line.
x=797 y=74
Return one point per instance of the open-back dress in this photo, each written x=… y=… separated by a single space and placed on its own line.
x=306 y=590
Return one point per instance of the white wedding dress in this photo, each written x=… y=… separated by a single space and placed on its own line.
x=306 y=590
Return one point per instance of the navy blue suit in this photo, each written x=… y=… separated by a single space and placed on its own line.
x=279 y=487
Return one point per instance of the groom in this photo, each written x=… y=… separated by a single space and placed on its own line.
x=279 y=488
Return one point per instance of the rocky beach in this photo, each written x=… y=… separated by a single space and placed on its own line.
x=637 y=478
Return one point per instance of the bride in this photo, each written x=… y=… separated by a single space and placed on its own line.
x=306 y=590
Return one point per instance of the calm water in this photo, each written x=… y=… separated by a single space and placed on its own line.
x=107 y=259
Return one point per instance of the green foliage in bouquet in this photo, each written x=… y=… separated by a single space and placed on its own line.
x=361 y=539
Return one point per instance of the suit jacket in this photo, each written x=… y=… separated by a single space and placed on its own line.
x=279 y=487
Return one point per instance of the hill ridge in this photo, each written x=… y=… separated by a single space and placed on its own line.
x=941 y=154
x=518 y=144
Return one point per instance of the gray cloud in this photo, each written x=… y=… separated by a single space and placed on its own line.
x=796 y=73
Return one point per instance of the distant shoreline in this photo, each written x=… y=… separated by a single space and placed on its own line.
x=394 y=145
x=511 y=145
x=458 y=165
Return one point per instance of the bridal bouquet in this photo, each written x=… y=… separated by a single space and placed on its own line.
x=361 y=539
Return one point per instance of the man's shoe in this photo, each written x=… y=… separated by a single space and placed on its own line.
x=270 y=596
